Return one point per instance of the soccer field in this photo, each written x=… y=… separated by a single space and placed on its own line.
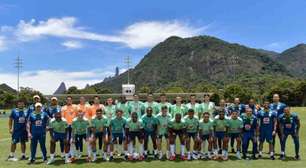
x=232 y=163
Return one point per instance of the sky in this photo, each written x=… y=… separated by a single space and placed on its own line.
x=81 y=42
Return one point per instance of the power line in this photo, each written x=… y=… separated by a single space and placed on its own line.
x=18 y=65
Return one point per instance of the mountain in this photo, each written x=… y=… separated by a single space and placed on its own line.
x=189 y=61
x=295 y=60
x=61 y=89
x=6 y=88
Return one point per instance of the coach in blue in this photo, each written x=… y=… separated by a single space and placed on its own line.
x=17 y=127
x=250 y=129
x=53 y=108
x=289 y=125
x=36 y=127
x=31 y=109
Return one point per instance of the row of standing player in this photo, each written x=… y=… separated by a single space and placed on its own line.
x=78 y=134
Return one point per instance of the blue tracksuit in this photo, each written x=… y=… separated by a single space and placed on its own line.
x=266 y=124
x=249 y=129
x=278 y=108
x=289 y=126
x=51 y=110
x=19 y=128
x=38 y=126
x=240 y=108
x=31 y=109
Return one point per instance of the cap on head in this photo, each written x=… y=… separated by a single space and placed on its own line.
x=38 y=105
x=36 y=97
x=54 y=98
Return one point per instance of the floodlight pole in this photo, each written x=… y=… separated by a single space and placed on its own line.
x=18 y=66
x=128 y=62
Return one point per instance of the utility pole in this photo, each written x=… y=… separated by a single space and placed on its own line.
x=18 y=66
x=127 y=60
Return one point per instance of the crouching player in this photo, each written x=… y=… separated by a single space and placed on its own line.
x=290 y=125
x=267 y=127
x=250 y=132
x=192 y=125
x=206 y=133
x=17 y=127
x=116 y=128
x=80 y=126
x=163 y=119
x=58 y=129
x=235 y=130
x=98 y=130
x=36 y=127
x=177 y=127
x=133 y=130
x=221 y=126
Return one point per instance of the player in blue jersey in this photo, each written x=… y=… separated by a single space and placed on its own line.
x=250 y=131
x=289 y=125
x=277 y=107
x=36 y=127
x=31 y=108
x=17 y=127
x=53 y=107
x=267 y=128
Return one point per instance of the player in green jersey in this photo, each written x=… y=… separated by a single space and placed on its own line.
x=116 y=128
x=150 y=130
x=198 y=110
x=150 y=103
x=163 y=102
x=133 y=130
x=136 y=106
x=80 y=128
x=178 y=107
x=206 y=133
x=110 y=109
x=221 y=138
x=58 y=129
x=124 y=106
x=192 y=125
x=162 y=130
x=207 y=105
x=176 y=128
x=235 y=130
x=99 y=125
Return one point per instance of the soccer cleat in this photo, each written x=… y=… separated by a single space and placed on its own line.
x=224 y=157
x=282 y=157
x=259 y=155
x=160 y=156
x=238 y=155
x=194 y=156
x=155 y=156
x=233 y=150
x=254 y=157
x=145 y=156
x=67 y=161
x=168 y=155
x=23 y=157
x=297 y=157
x=244 y=156
x=50 y=161
x=72 y=159
x=31 y=162
x=188 y=157
x=111 y=158
x=88 y=159
x=126 y=157
x=183 y=157
x=272 y=157
x=141 y=157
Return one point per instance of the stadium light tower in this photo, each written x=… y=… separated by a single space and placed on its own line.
x=128 y=89
x=128 y=63
x=18 y=66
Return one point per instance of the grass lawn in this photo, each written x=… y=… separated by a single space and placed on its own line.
x=232 y=163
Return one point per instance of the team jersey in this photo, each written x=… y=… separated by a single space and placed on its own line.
x=235 y=125
x=39 y=122
x=240 y=108
x=149 y=123
x=86 y=109
x=208 y=107
x=51 y=110
x=160 y=105
x=58 y=126
x=266 y=119
x=254 y=109
x=69 y=113
x=220 y=125
x=192 y=124
x=136 y=106
x=176 y=126
x=20 y=120
x=153 y=105
x=289 y=123
x=80 y=126
x=178 y=109
x=110 y=111
x=31 y=109
x=205 y=128
x=278 y=108
x=198 y=110
x=118 y=125
x=125 y=108
x=249 y=123
x=94 y=108
x=134 y=126
x=99 y=124
x=163 y=123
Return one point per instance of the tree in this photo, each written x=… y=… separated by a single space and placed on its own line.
x=235 y=90
x=145 y=89
x=174 y=89
x=73 y=90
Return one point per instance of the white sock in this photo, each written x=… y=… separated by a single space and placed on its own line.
x=172 y=149
x=125 y=152
x=155 y=152
x=182 y=149
x=111 y=153
x=66 y=156
x=12 y=154
x=141 y=149
x=23 y=154
x=52 y=156
x=282 y=152
x=89 y=150
x=260 y=152
x=272 y=154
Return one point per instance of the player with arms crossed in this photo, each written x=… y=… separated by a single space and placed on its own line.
x=206 y=133
x=162 y=130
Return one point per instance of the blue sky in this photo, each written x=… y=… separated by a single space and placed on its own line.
x=81 y=42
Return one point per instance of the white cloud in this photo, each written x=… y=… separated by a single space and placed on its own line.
x=2 y=43
x=47 y=81
x=138 y=35
x=72 y=44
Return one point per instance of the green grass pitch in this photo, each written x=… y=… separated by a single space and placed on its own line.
x=232 y=163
